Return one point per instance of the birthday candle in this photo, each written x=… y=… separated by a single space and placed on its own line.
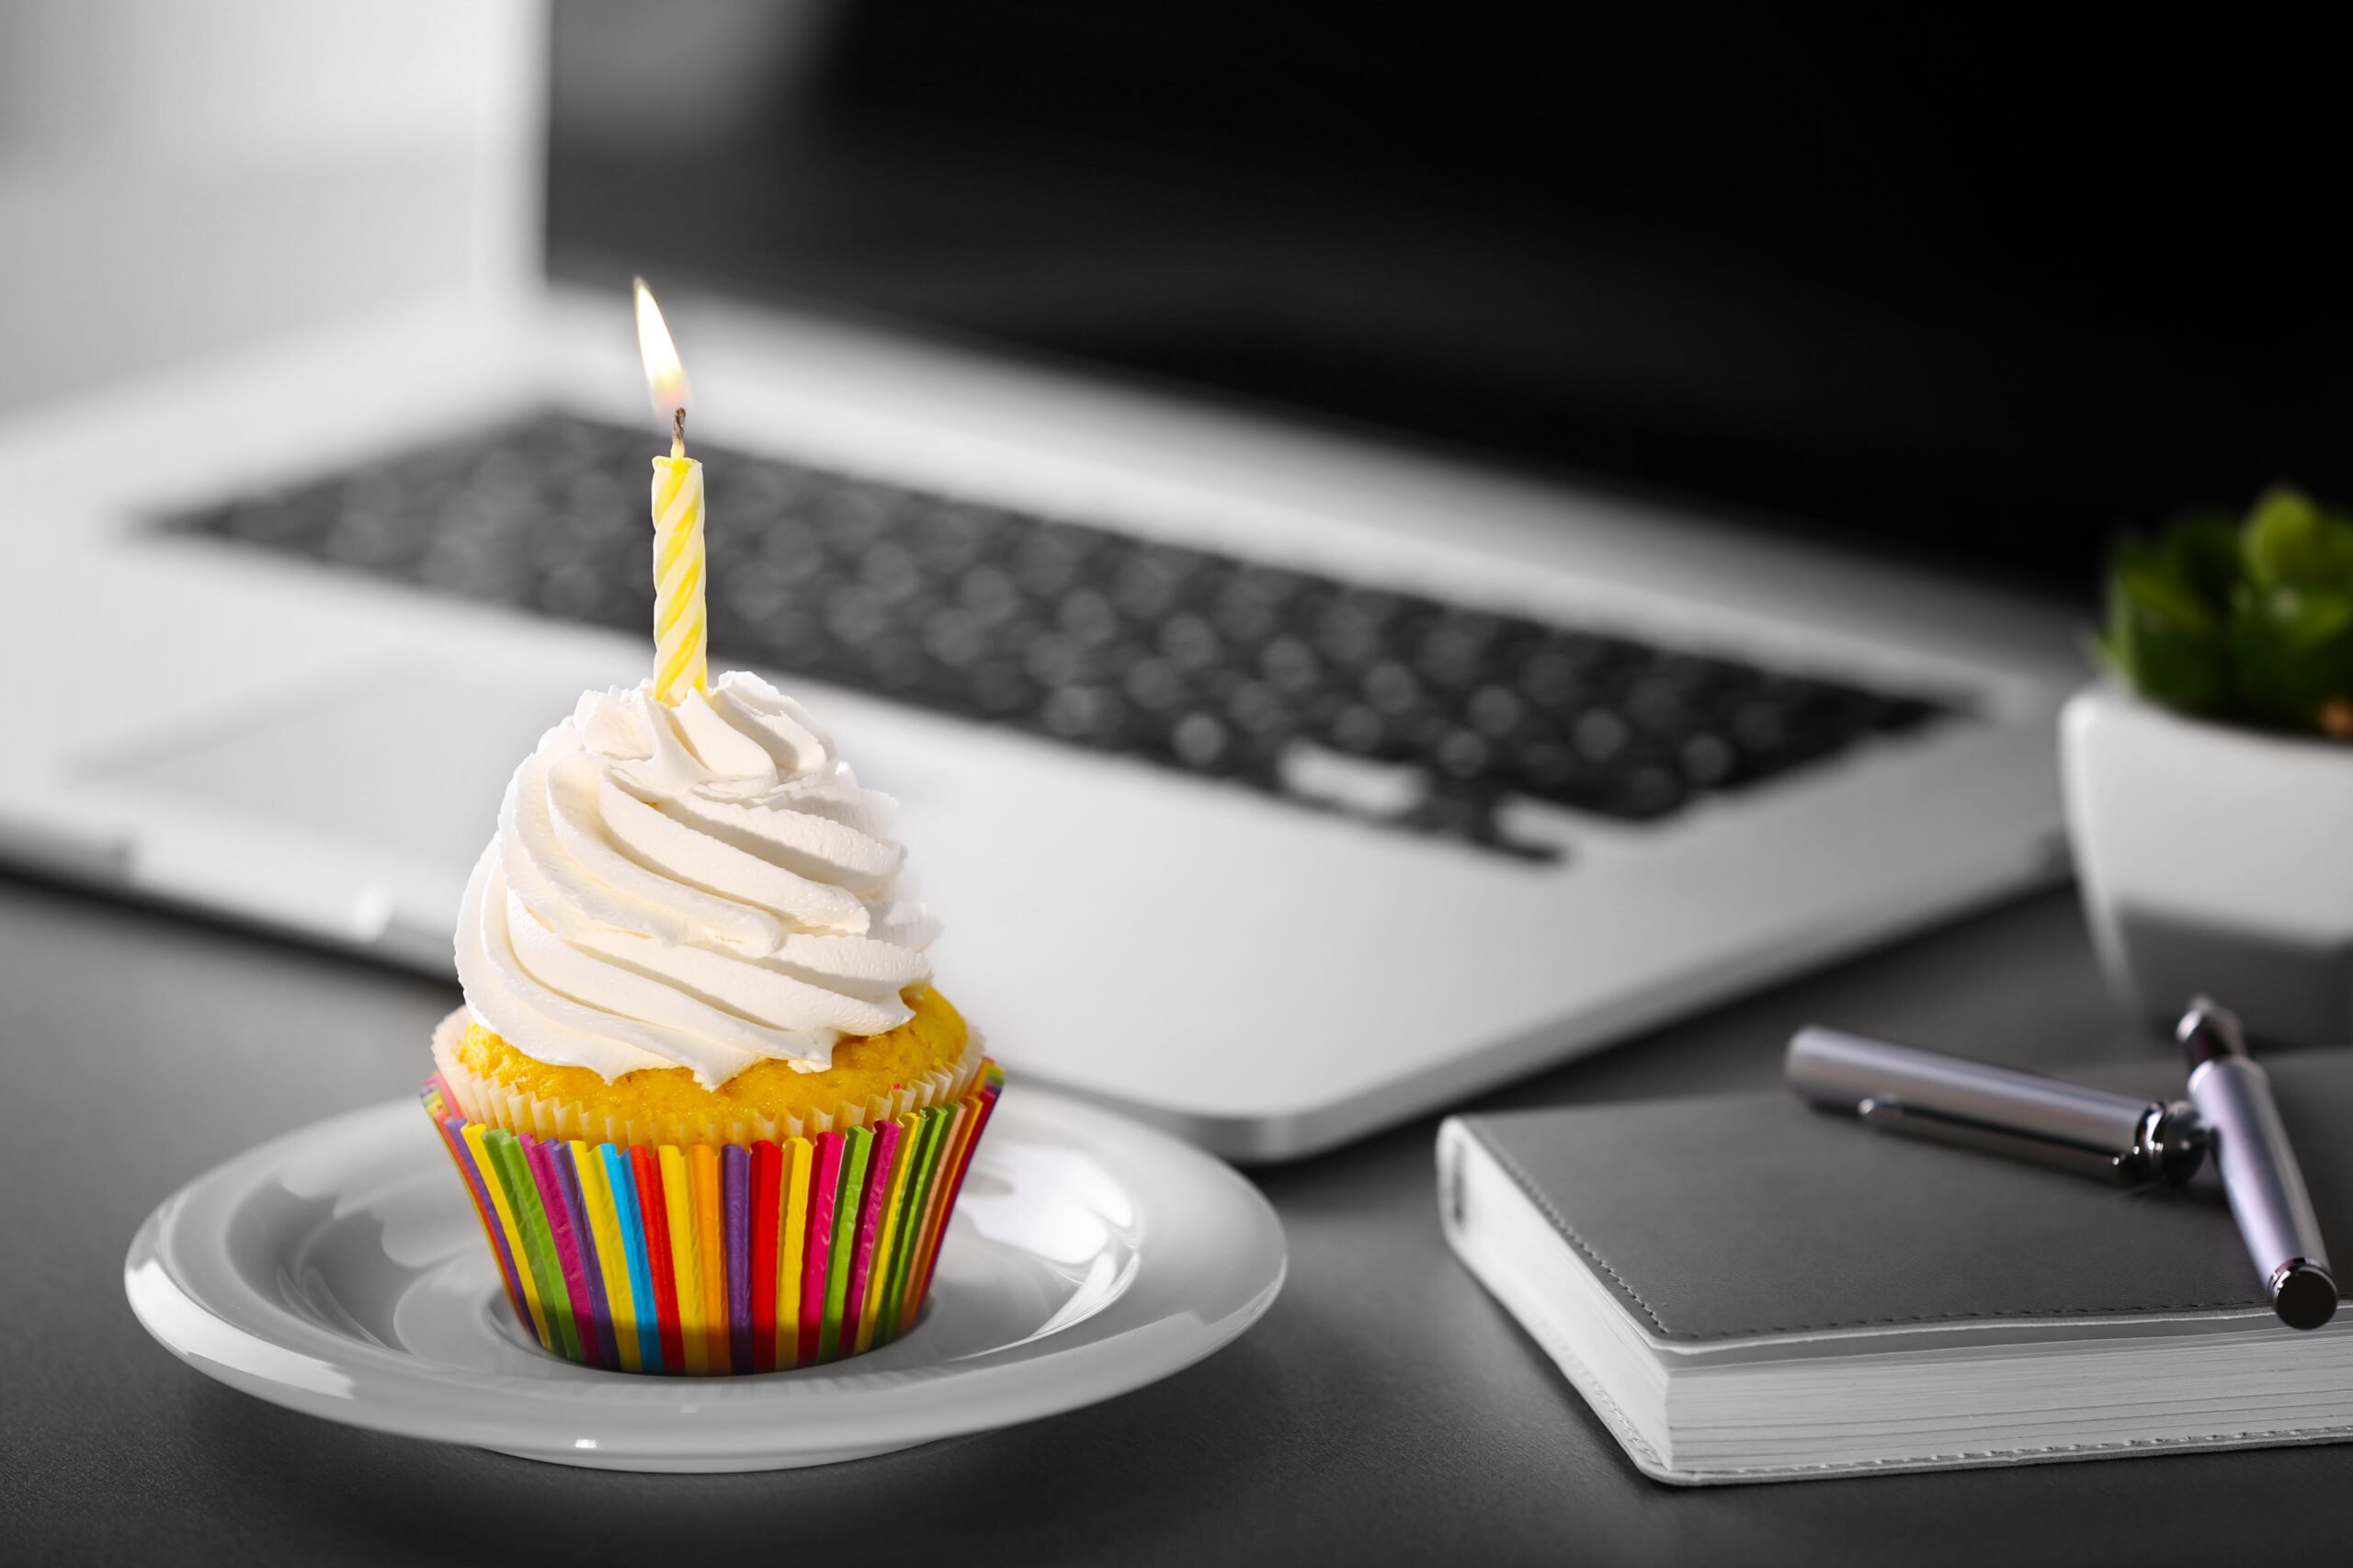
x=680 y=630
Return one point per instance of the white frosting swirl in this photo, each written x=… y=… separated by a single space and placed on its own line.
x=703 y=885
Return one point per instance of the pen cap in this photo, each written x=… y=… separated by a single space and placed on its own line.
x=2208 y=1033
x=2002 y=1109
x=2260 y=1176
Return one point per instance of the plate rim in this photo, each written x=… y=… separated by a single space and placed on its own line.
x=294 y=1361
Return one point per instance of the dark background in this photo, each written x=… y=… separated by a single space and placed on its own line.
x=1983 y=296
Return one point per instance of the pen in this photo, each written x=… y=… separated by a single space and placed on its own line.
x=2003 y=1111
x=2259 y=1172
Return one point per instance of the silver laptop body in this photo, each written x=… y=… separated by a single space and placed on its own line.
x=210 y=723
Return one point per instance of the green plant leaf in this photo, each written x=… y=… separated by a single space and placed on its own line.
x=2164 y=640
x=2251 y=621
x=2292 y=651
x=2155 y=592
x=2289 y=542
x=2314 y=618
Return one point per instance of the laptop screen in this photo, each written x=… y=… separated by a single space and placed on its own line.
x=1962 y=298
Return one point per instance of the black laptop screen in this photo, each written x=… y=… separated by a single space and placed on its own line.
x=1982 y=300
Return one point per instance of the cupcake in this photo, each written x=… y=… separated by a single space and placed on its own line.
x=710 y=1111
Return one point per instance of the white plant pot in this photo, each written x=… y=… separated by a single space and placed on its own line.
x=2214 y=860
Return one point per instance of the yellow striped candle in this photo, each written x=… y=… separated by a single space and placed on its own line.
x=680 y=630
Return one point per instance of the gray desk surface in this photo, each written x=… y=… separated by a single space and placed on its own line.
x=1386 y=1409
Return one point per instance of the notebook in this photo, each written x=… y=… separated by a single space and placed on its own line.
x=1747 y=1290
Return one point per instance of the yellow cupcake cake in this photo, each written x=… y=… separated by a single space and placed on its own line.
x=666 y=1104
x=711 y=1112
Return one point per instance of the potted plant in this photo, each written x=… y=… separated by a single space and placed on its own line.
x=2210 y=782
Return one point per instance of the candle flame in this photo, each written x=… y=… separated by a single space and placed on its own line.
x=664 y=376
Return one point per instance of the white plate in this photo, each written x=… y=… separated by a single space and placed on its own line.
x=340 y=1271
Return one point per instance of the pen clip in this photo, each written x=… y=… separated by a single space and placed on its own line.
x=1969 y=1132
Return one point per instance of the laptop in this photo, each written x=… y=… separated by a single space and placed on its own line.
x=1253 y=554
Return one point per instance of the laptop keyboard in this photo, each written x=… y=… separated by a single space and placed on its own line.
x=1298 y=685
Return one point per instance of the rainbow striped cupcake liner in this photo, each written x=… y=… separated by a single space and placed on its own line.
x=712 y=1259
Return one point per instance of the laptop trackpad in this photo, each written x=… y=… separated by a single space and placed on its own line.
x=407 y=758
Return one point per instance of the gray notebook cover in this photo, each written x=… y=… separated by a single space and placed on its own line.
x=1722 y=1221
x=1729 y=1218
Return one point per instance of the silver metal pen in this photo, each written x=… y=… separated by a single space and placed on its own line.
x=1953 y=1099
x=2259 y=1172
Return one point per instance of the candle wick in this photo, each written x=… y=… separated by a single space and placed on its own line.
x=679 y=422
